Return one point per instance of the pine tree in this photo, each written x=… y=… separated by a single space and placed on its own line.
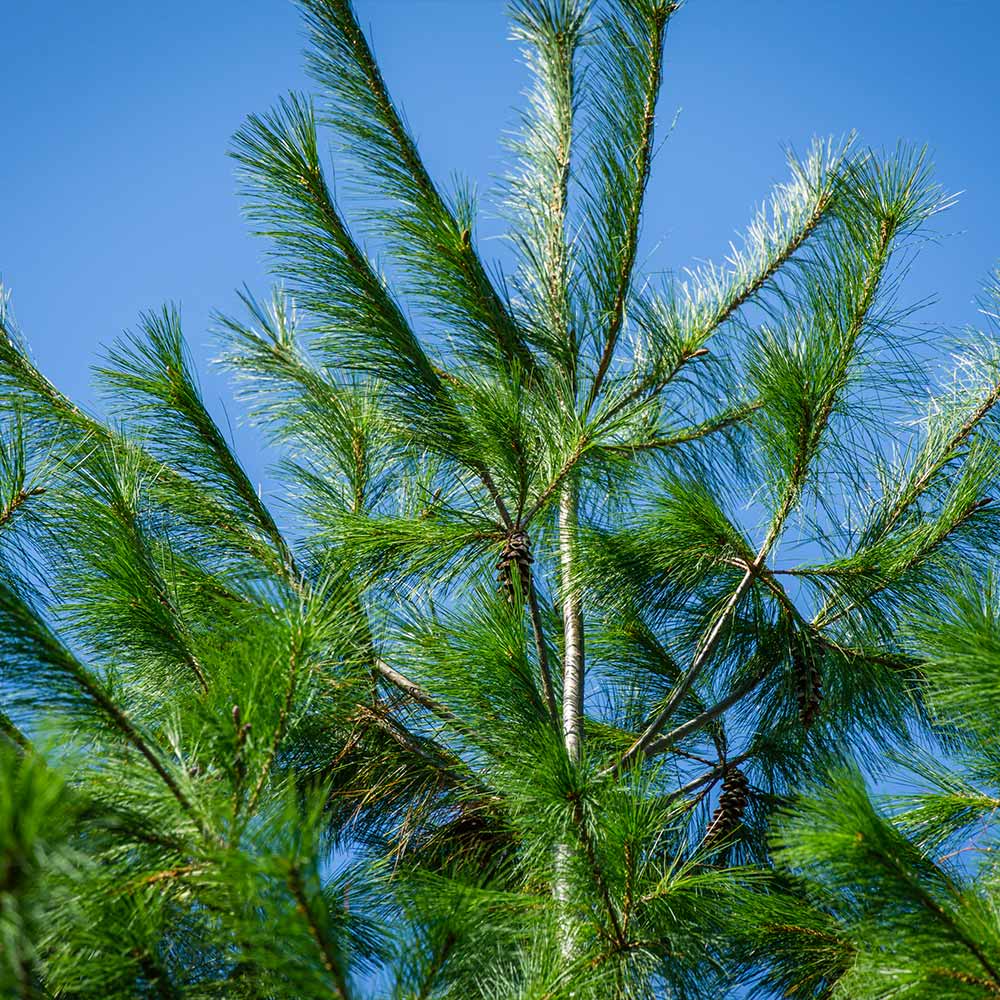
x=575 y=575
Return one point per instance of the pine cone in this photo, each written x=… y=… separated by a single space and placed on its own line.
x=808 y=685
x=516 y=552
x=732 y=805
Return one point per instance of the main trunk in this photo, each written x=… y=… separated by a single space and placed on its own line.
x=572 y=613
x=572 y=695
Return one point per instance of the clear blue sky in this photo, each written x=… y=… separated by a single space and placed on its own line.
x=116 y=193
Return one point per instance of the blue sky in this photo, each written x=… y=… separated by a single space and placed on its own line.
x=116 y=193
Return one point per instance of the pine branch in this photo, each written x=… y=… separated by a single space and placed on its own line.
x=810 y=434
x=922 y=478
x=636 y=167
x=151 y=375
x=537 y=194
x=437 y=240
x=59 y=421
x=678 y=327
x=280 y=729
x=712 y=295
x=11 y=733
x=25 y=637
x=414 y=691
x=943 y=917
x=291 y=201
x=811 y=430
x=724 y=421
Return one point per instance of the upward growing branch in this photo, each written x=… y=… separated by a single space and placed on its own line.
x=538 y=192
x=637 y=173
x=436 y=240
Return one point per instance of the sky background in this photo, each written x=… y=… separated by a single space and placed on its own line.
x=116 y=193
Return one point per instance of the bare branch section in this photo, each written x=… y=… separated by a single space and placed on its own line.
x=703 y=655
x=415 y=691
x=738 y=693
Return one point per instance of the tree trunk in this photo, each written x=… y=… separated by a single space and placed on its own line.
x=572 y=694
x=572 y=613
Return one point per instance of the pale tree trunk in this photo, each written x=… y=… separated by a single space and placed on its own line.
x=572 y=614
x=572 y=694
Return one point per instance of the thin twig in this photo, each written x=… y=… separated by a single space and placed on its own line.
x=10 y=508
x=702 y=430
x=415 y=691
x=535 y=615
x=701 y=720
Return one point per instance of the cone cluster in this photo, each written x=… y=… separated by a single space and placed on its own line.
x=516 y=555
x=732 y=804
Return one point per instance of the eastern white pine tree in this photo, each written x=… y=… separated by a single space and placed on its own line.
x=573 y=574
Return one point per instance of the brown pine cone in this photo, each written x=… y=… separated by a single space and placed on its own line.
x=732 y=804
x=516 y=553
x=808 y=686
